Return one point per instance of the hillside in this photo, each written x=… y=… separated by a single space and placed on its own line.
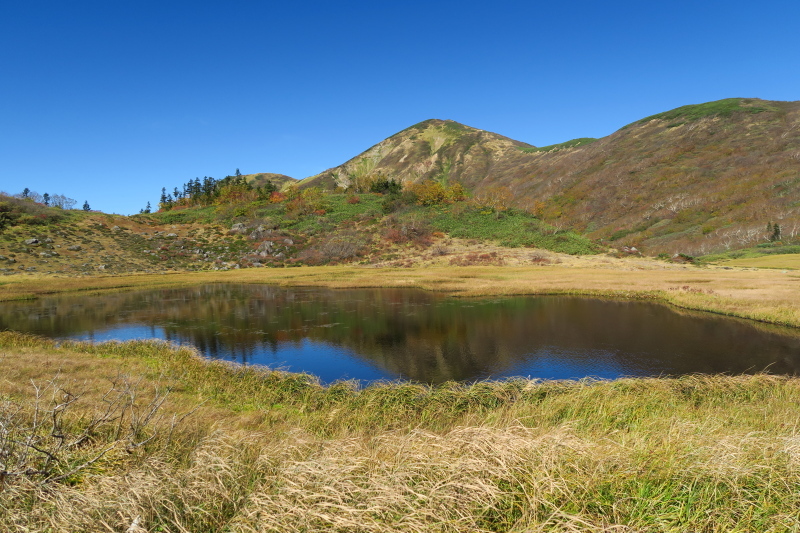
x=242 y=228
x=261 y=179
x=697 y=179
x=720 y=178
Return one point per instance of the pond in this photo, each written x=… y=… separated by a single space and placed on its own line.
x=376 y=334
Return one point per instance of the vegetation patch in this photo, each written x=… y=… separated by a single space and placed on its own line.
x=718 y=108
x=574 y=143
x=513 y=228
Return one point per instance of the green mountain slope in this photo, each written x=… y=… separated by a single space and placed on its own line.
x=696 y=179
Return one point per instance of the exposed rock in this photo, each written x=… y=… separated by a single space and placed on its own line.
x=238 y=227
x=48 y=240
x=115 y=228
x=32 y=242
x=631 y=250
x=265 y=248
x=3 y=258
x=288 y=242
x=260 y=232
x=45 y=254
x=681 y=258
x=101 y=267
x=74 y=248
x=172 y=235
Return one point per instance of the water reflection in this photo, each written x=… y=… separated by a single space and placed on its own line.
x=400 y=333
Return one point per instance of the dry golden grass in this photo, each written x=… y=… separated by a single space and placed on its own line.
x=270 y=451
x=788 y=261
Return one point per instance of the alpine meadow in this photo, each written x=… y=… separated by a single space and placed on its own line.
x=175 y=424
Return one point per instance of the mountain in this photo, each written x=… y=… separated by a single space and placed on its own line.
x=440 y=149
x=696 y=179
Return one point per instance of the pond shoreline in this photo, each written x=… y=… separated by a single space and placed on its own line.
x=423 y=336
x=767 y=296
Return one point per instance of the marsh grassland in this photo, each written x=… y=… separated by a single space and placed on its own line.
x=145 y=436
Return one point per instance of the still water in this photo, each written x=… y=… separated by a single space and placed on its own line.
x=374 y=334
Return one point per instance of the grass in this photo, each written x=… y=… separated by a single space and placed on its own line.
x=574 y=143
x=512 y=228
x=786 y=262
x=721 y=108
x=779 y=253
x=272 y=451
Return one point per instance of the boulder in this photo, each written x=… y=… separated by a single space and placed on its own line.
x=74 y=248
x=31 y=242
x=259 y=233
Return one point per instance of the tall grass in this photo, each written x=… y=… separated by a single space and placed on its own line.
x=273 y=451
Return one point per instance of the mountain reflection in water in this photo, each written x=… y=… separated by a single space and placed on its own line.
x=372 y=334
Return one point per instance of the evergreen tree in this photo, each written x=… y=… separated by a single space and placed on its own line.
x=25 y=192
x=46 y=199
x=776 y=232
x=147 y=209
x=86 y=206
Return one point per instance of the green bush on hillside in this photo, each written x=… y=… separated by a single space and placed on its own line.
x=26 y=212
x=514 y=229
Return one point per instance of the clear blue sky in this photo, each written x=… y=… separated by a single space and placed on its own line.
x=109 y=101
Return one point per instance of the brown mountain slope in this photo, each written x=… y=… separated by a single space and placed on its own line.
x=433 y=149
x=696 y=179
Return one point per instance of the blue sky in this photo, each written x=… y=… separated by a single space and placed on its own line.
x=110 y=101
